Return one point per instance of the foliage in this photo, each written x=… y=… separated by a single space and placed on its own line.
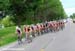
x=72 y=16
x=7 y=22
x=37 y=10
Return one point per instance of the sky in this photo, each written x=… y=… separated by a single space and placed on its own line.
x=69 y=6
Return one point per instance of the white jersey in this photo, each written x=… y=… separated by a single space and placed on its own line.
x=18 y=30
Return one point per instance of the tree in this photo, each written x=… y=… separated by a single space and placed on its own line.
x=3 y=7
x=22 y=9
x=72 y=16
x=50 y=10
x=33 y=10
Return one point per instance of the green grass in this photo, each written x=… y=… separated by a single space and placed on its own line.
x=7 y=31
x=7 y=35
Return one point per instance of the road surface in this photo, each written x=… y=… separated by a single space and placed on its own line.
x=59 y=41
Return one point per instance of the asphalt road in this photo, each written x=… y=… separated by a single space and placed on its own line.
x=59 y=41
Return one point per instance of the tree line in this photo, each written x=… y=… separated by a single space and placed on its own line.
x=32 y=11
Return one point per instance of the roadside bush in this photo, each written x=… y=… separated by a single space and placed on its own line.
x=7 y=22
